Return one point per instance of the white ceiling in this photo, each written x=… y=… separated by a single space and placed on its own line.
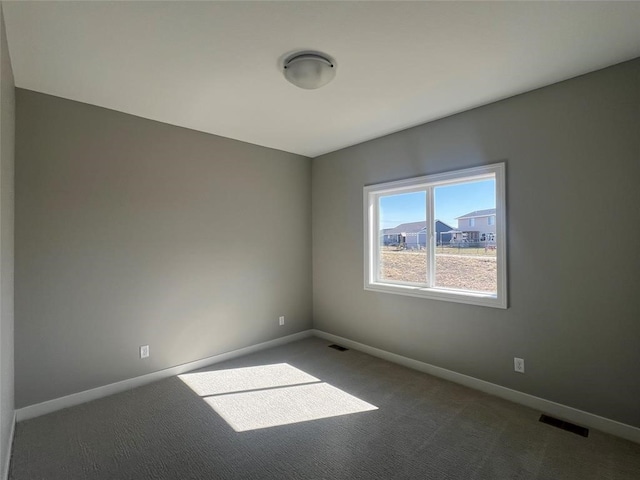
x=214 y=66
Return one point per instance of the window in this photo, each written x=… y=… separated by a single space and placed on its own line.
x=472 y=222
x=416 y=243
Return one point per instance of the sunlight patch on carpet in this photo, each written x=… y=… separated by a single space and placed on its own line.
x=284 y=406
x=264 y=396
x=243 y=379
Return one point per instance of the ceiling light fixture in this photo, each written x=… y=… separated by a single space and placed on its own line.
x=309 y=70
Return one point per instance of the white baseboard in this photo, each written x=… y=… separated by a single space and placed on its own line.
x=552 y=408
x=81 y=397
x=7 y=454
x=546 y=406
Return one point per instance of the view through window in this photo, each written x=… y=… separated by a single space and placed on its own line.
x=440 y=236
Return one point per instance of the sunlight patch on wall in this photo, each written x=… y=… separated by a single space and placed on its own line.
x=283 y=406
x=266 y=396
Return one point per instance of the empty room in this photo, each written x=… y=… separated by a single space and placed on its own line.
x=319 y=240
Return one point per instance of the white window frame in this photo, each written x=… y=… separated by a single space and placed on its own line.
x=372 y=194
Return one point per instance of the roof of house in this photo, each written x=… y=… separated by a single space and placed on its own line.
x=478 y=213
x=415 y=227
x=412 y=227
x=442 y=227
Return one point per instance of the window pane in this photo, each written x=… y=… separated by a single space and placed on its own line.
x=466 y=236
x=403 y=238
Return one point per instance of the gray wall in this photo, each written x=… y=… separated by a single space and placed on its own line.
x=573 y=166
x=132 y=232
x=7 y=124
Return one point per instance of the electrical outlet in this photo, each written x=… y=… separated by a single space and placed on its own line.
x=518 y=364
x=282 y=320
x=144 y=351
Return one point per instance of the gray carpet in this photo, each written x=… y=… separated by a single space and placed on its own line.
x=422 y=428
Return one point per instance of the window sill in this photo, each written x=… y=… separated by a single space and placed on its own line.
x=444 y=294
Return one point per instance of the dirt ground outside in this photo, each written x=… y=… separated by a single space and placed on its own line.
x=453 y=270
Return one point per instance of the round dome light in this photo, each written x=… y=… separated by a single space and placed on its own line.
x=309 y=70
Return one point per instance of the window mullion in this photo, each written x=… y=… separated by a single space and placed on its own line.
x=431 y=253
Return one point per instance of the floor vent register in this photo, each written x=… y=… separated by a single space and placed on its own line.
x=568 y=426
x=340 y=348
